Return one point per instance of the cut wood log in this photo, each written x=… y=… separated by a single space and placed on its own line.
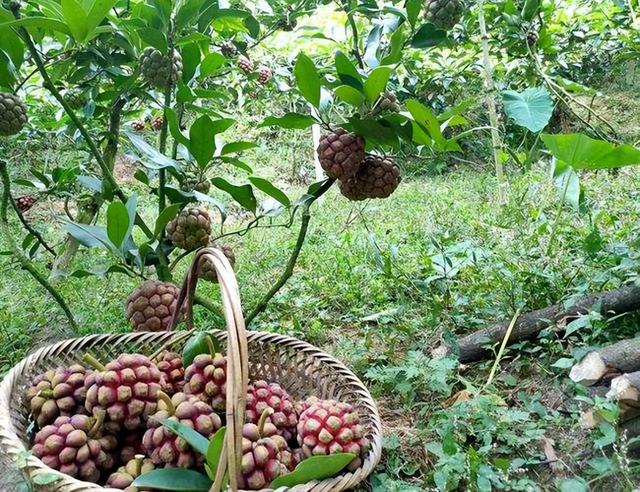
x=608 y=362
x=625 y=390
x=615 y=302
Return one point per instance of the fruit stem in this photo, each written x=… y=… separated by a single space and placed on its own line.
x=212 y=348
x=166 y=399
x=93 y=362
x=139 y=460
x=97 y=425
x=263 y=419
x=46 y=393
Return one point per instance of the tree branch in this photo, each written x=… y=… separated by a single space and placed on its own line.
x=24 y=261
x=288 y=271
x=30 y=229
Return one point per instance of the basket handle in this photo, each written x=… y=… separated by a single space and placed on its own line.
x=237 y=356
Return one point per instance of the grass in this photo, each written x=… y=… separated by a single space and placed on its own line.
x=380 y=284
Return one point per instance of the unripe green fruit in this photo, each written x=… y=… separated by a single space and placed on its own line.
x=444 y=14
x=13 y=114
x=160 y=70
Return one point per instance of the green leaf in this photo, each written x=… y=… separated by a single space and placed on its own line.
x=233 y=147
x=529 y=9
x=215 y=449
x=46 y=478
x=563 y=363
x=295 y=121
x=347 y=71
x=174 y=479
x=427 y=121
x=573 y=485
x=349 y=95
x=427 y=36
x=153 y=37
x=379 y=131
x=117 y=223
x=413 y=10
x=196 y=440
x=268 y=188
x=531 y=108
x=376 y=82
x=165 y=216
x=76 y=19
x=90 y=236
x=200 y=343
x=307 y=79
x=97 y=13
x=211 y=63
x=241 y=194
x=582 y=152
x=202 y=140
x=174 y=128
x=314 y=468
x=159 y=160
x=45 y=23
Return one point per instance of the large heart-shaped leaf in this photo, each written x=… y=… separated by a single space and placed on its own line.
x=531 y=108
x=314 y=468
x=583 y=152
x=174 y=479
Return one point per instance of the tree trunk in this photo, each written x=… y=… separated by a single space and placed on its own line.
x=473 y=347
x=607 y=362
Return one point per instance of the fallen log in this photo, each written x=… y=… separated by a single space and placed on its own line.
x=608 y=362
x=625 y=390
x=474 y=346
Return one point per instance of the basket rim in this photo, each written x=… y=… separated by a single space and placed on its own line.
x=14 y=447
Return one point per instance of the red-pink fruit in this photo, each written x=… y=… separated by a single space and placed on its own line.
x=167 y=448
x=245 y=65
x=329 y=427
x=206 y=378
x=130 y=445
x=151 y=306
x=172 y=370
x=127 y=390
x=340 y=153
x=261 y=459
x=264 y=75
x=57 y=392
x=206 y=269
x=138 y=125
x=263 y=396
x=190 y=229
x=124 y=476
x=378 y=177
x=75 y=446
x=156 y=123
x=302 y=405
x=25 y=202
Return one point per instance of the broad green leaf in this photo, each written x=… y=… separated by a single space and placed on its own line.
x=174 y=479
x=46 y=478
x=200 y=343
x=165 y=217
x=427 y=121
x=413 y=10
x=196 y=441
x=215 y=449
x=159 y=160
x=271 y=190
x=97 y=13
x=202 y=140
x=379 y=131
x=191 y=57
x=211 y=63
x=154 y=38
x=307 y=79
x=46 y=23
x=233 y=147
x=427 y=36
x=90 y=236
x=76 y=19
x=349 y=95
x=314 y=468
x=531 y=108
x=347 y=71
x=293 y=121
x=583 y=152
x=573 y=485
x=117 y=223
x=242 y=194
x=174 y=128
x=222 y=125
x=376 y=82
x=529 y=9
x=396 y=47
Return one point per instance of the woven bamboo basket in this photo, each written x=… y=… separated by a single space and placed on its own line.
x=299 y=367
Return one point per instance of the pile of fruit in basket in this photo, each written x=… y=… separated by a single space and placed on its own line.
x=111 y=424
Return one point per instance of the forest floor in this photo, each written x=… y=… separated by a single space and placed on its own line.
x=380 y=284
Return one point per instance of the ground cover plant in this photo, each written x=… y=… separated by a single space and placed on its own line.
x=399 y=183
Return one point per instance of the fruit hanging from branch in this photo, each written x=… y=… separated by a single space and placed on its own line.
x=246 y=65
x=160 y=70
x=378 y=177
x=13 y=114
x=151 y=306
x=341 y=153
x=264 y=75
x=443 y=14
x=206 y=269
x=190 y=229
x=25 y=202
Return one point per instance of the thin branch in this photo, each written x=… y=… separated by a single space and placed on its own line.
x=30 y=229
x=288 y=271
x=50 y=86
x=24 y=261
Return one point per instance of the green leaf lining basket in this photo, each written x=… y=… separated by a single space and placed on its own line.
x=299 y=367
